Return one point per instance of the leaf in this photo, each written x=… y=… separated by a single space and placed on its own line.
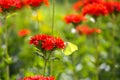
x=10 y=15
x=38 y=54
x=54 y=58
x=8 y=60
x=70 y=48
x=1 y=30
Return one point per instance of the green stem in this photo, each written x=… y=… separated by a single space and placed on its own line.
x=53 y=20
x=51 y=63
x=46 y=59
x=7 y=73
x=37 y=21
x=97 y=56
x=74 y=65
x=45 y=66
x=51 y=68
x=53 y=15
x=45 y=63
x=96 y=45
x=113 y=48
x=6 y=49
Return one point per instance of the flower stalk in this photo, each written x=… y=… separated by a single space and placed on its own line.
x=53 y=15
x=96 y=45
x=74 y=65
x=45 y=66
x=52 y=31
x=46 y=59
x=97 y=56
x=38 y=23
x=7 y=57
x=113 y=47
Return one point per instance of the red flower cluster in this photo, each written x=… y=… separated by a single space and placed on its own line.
x=78 y=5
x=109 y=6
x=85 y=2
x=38 y=78
x=46 y=42
x=0 y=9
x=87 y=30
x=95 y=9
x=112 y=6
x=74 y=18
x=24 y=32
x=117 y=6
x=6 y=4
x=35 y=3
x=17 y=4
x=81 y=3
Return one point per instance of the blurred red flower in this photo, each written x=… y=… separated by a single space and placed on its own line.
x=35 y=3
x=46 y=42
x=81 y=3
x=117 y=6
x=93 y=1
x=87 y=30
x=95 y=9
x=10 y=5
x=24 y=32
x=46 y=2
x=6 y=4
x=74 y=18
x=112 y=6
x=39 y=78
x=109 y=6
x=97 y=30
x=0 y=9
x=78 y=5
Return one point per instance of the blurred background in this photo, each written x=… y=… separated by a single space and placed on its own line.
x=78 y=66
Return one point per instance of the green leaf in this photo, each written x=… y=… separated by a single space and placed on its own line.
x=8 y=60
x=70 y=48
x=1 y=30
x=10 y=15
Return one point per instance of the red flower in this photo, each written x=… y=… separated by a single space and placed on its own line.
x=82 y=3
x=46 y=42
x=0 y=9
x=39 y=78
x=78 y=5
x=74 y=18
x=87 y=30
x=59 y=43
x=109 y=6
x=46 y=2
x=112 y=7
x=6 y=4
x=24 y=32
x=93 y=1
x=34 y=40
x=35 y=3
x=97 y=30
x=117 y=6
x=95 y=9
